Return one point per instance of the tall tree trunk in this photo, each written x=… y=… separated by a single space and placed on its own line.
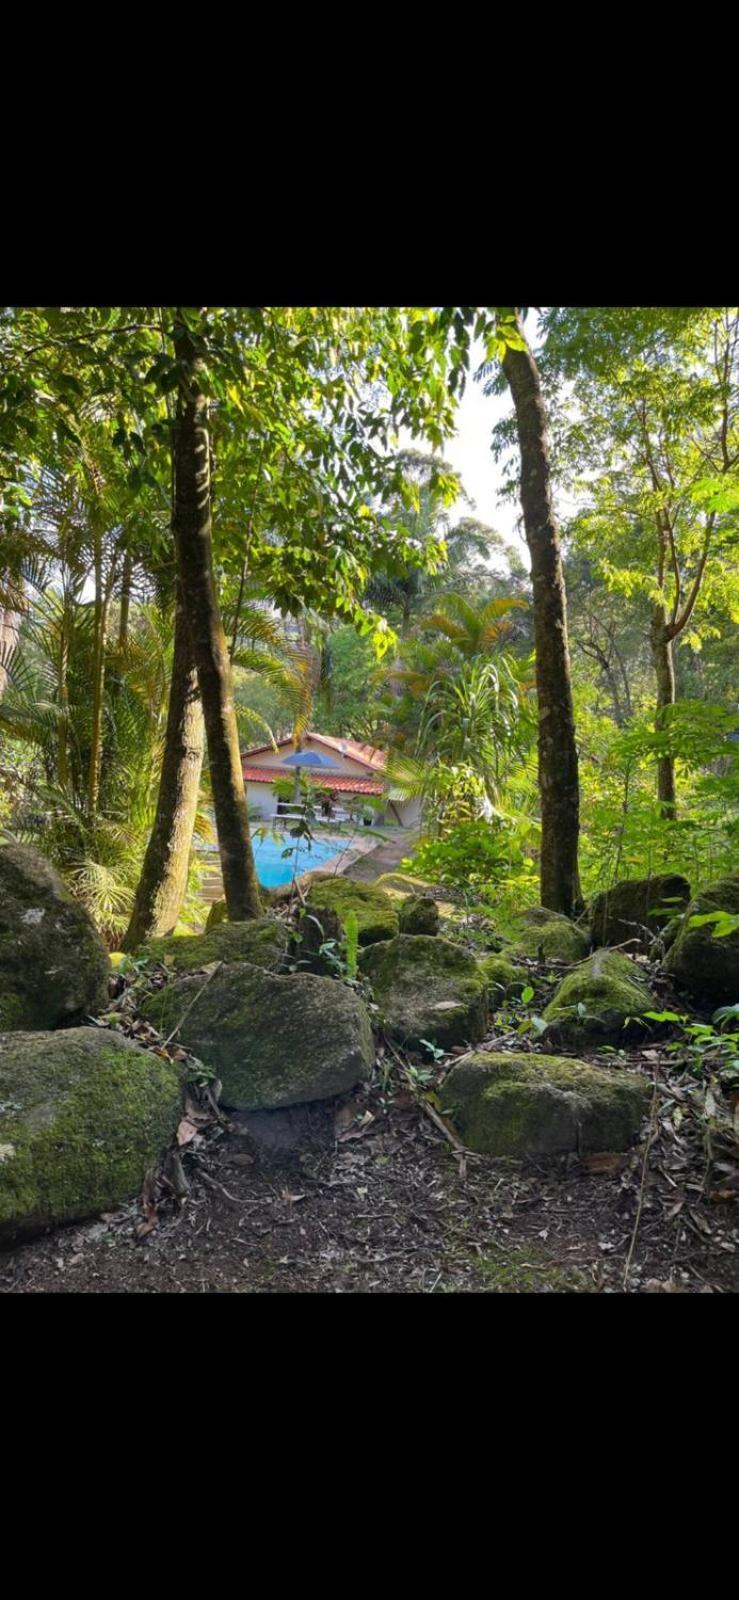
x=126 y=577
x=192 y=531
x=163 y=881
x=10 y=622
x=63 y=696
x=664 y=668
x=558 y=767
x=98 y=683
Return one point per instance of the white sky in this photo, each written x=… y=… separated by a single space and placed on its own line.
x=470 y=454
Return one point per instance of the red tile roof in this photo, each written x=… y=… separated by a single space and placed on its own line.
x=333 y=784
x=366 y=754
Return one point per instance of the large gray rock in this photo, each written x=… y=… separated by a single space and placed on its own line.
x=263 y=942
x=427 y=988
x=542 y=1105
x=83 y=1115
x=53 y=964
x=272 y=1041
x=600 y=1002
x=709 y=967
x=630 y=909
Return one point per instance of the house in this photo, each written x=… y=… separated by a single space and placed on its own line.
x=351 y=770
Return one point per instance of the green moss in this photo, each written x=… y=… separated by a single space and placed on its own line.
x=539 y=916
x=427 y=988
x=611 y=989
x=504 y=977
x=418 y=914
x=263 y=942
x=517 y=1105
x=11 y=1012
x=528 y=1271
x=83 y=1114
x=330 y=898
x=708 y=967
x=547 y=936
x=53 y=964
x=273 y=1041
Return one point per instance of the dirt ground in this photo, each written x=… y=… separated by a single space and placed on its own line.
x=369 y=1196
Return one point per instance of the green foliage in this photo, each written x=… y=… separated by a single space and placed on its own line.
x=351 y=944
x=492 y=857
x=709 y=1049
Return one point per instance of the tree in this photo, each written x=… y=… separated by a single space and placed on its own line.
x=654 y=423
x=196 y=579
x=558 y=761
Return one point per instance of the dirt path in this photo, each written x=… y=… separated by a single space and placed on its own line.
x=386 y=858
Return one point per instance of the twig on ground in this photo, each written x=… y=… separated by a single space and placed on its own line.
x=642 y=1186
x=188 y=1008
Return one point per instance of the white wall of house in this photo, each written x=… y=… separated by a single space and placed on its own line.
x=262 y=797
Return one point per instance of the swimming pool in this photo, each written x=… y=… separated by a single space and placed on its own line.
x=275 y=868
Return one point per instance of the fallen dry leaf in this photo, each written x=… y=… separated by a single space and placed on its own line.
x=604 y=1161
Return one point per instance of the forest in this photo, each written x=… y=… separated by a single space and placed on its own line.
x=369 y=854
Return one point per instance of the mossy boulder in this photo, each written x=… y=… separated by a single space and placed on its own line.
x=273 y=1041
x=541 y=1105
x=263 y=942
x=84 y=1114
x=418 y=914
x=592 y=1004
x=504 y=977
x=708 y=967
x=427 y=988
x=537 y=916
x=54 y=966
x=328 y=903
x=630 y=909
x=547 y=935
x=330 y=898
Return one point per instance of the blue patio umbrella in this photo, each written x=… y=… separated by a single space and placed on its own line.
x=308 y=758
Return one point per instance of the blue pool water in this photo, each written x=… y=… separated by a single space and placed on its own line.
x=274 y=868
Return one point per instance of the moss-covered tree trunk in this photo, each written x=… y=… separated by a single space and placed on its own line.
x=664 y=669
x=558 y=766
x=193 y=543
x=163 y=881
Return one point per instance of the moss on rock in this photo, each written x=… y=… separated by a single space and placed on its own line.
x=593 y=1003
x=262 y=942
x=504 y=977
x=84 y=1114
x=273 y=1041
x=427 y=988
x=538 y=1105
x=53 y=964
x=330 y=898
x=708 y=967
x=418 y=914
x=545 y=935
x=629 y=909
